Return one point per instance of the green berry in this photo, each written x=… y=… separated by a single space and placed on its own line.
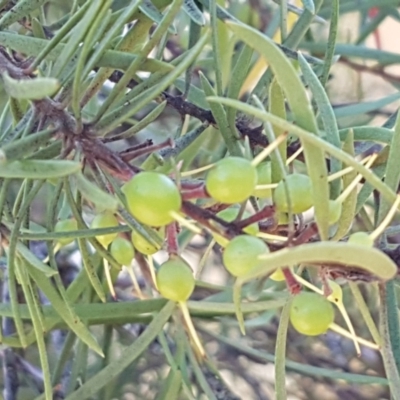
x=122 y=250
x=105 y=220
x=175 y=280
x=278 y=275
x=145 y=247
x=311 y=314
x=151 y=197
x=241 y=254
x=66 y=225
x=231 y=180
x=299 y=188
x=361 y=238
x=264 y=177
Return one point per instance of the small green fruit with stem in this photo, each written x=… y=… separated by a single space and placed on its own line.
x=143 y=246
x=311 y=313
x=152 y=198
x=299 y=188
x=241 y=254
x=175 y=281
x=105 y=220
x=66 y=225
x=231 y=180
x=122 y=251
x=362 y=238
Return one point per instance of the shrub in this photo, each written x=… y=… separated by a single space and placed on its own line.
x=136 y=124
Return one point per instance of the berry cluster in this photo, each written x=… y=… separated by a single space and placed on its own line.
x=158 y=202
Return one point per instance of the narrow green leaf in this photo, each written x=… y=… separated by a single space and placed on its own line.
x=345 y=254
x=368 y=133
x=65 y=312
x=238 y=76
x=151 y=11
x=130 y=354
x=26 y=146
x=309 y=5
x=91 y=271
x=366 y=107
x=389 y=362
x=78 y=33
x=30 y=258
x=392 y=173
x=355 y=51
x=277 y=106
x=330 y=49
x=172 y=385
x=97 y=27
x=39 y=169
x=237 y=295
x=111 y=58
x=118 y=90
x=92 y=193
x=34 y=310
x=151 y=93
x=295 y=92
x=327 y=116
x=30 y=89
x=19 y=11
x=280 y=352
x=349 y=205
x=314 y=140
x=194 y=12
x=148 y=119
x=109 y=36
x=218 y=111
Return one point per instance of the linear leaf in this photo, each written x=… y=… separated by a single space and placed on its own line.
x=30 y=89
x=92 y=193
x=39 y=169
x=65 y=312
x=194 y=12
x=345 y=254
x=130 y=354
x=295 y=92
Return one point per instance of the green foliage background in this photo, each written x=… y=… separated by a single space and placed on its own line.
x=89 y=86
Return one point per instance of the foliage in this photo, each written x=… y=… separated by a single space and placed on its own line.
x=126 y=130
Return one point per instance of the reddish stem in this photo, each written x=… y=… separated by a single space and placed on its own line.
x=264 y=213
x=293 y=286
x=171 y=233
x=198 y=192
x=145 y=148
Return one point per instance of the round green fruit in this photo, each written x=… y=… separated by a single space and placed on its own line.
x=278 y=275
x=66 y=225
x=361 y=238
x=229 y=215
x=105 y=220
x=231 y=180
x=151 y=197
x=175 y=280
x=144 y=246
x=241 y=254
x=122 y=250
x=264 y=177
x=299 y=188
x=311 y=313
